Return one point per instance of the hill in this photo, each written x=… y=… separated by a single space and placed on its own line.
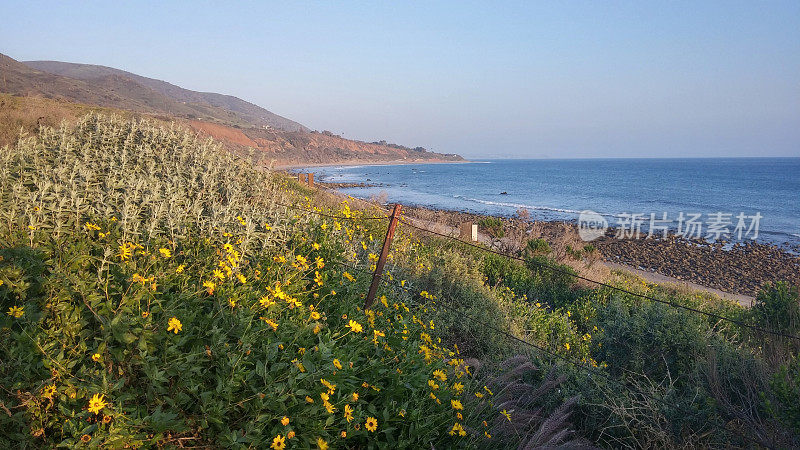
x=104 y=86
x=47 y=92
x=201 y=105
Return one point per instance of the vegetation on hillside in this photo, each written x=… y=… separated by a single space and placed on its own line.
x=157 y=290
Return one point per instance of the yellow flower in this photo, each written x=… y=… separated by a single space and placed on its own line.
x=348 y=413
x=165 y=252
x=309 y=399
x=315 y=315
x=331 y=387
x=96 y=357
x=271 y=323
x=218 y=274
x=458 y=388
x=49 y=391
x=433 y=384
x=320 y=262
x=457 y=429
x=566 y=345
x=97 y=403
x=136 y=278
x=506 y=414
x=438 y=373
x=343 y=434
x=126 y=250
x=209 y=285
x=285 y=421
x=337 y=364
x=290 y=434
x=371 y=424
x=174 y=325
x=278 y=443
x=456 y=404
x=266 y=302
x=348 y=276
x=355 y=396
x=355 y=326
x=242 y=278
x=180 y=268
x=322 y=444
x=16 y=311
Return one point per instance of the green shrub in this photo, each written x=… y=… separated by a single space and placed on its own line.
x=493 y=226
x=785 y=384
x=536 y=247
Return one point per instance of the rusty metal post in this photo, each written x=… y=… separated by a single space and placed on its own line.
x=387 y=243
x=310 y=180
x=301 y=178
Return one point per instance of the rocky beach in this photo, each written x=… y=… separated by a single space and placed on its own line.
x=732 y=268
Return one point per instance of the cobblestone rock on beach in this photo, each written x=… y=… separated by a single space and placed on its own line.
x=742 y=269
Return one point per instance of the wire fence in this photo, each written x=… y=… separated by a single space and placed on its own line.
x=561 y=271
x=581 y=366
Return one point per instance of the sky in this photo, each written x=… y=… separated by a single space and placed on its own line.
x=483 y=79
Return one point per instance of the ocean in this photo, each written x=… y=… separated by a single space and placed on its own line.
x=751 y=194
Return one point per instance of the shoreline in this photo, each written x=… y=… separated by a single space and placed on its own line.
x=368 y=163
x=736 y=274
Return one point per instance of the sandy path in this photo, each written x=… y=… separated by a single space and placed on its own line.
x=655 y=277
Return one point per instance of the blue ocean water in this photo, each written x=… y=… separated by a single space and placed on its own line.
x=560 y=189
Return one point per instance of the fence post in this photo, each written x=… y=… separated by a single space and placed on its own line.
x=310 y=180
x=301 y=178
x=468 y=231
x=387 y=242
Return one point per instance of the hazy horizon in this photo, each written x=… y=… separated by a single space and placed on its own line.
x=511 y=80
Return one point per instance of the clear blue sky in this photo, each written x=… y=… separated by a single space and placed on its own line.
x=483 y=79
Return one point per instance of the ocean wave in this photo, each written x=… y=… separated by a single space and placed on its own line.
x=517 y=205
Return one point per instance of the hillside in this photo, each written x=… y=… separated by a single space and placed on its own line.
x=104 y=86
x=47 y=92
x=204 y=105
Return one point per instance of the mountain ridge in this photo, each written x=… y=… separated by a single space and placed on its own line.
x=252 y=114
x=64 y=91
